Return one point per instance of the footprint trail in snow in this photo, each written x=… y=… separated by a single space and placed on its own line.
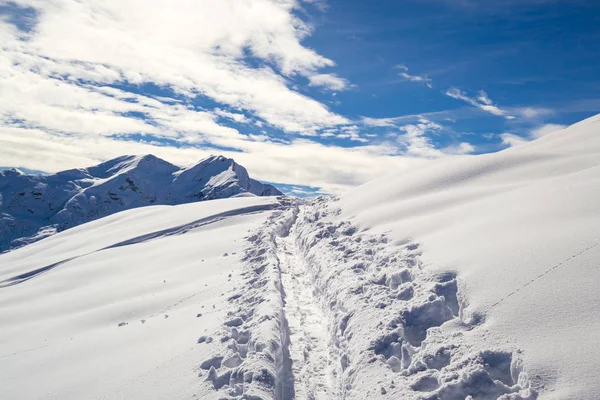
x=309 y=347
x=329 y=312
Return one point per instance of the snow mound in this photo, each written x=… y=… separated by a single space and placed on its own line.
x=36 y=206
x=521 y=231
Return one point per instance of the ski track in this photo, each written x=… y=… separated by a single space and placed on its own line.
x=328 y=312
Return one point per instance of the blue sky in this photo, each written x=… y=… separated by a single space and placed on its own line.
x=538 y=54
x=316 y=96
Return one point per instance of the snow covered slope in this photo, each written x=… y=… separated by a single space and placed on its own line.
x=246 y=298
x=472 y=279
x=112 y=309
x=521 y=229
x=36 y=206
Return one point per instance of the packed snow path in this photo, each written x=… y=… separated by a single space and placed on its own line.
x=309 y=345
x=328 y=312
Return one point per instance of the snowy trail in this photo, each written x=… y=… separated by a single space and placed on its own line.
x=309 y=347
x=327 y=311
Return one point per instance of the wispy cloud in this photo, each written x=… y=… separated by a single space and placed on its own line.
x=416 y=142
x=414 y=78
x=67 y=103
x=438 y=116
x=232 y=77
x=545 y=129
x=512 y=140
x=531 y=112
x=329 y=81
x=481 y=101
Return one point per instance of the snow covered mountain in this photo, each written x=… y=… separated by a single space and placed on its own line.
x=36 y=206
x=474 y=278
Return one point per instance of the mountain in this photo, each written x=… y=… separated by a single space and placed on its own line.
x=35 y=206
x=474 y=277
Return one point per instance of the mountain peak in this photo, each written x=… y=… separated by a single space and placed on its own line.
x=12 y=172
x=215 y=158
x=73 y=197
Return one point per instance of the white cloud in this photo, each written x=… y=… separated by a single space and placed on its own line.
x=460 y=149
x=482 y=101
x=532 y=112
x=402 y=119
x=328 y=81
x=237 y=117
x=197 y=47
x=57 y=112
x=417 y=144
x=512 y=140
x=351 y=132
x=483 y=98
x=381 y=122
x=414 y=78
x=545 y=129
x=65 y=101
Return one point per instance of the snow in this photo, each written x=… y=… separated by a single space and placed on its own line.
x=97 y=326
x=521 y=229
x=311 y=362
x=471 y=278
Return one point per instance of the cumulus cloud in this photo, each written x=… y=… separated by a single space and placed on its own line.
x=481 y=101
x=414 y=78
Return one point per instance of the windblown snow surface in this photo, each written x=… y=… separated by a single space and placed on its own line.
x=473 y=278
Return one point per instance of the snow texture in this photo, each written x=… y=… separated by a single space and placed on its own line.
x=36 y=206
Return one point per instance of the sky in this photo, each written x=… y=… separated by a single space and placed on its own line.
x=315 y=96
